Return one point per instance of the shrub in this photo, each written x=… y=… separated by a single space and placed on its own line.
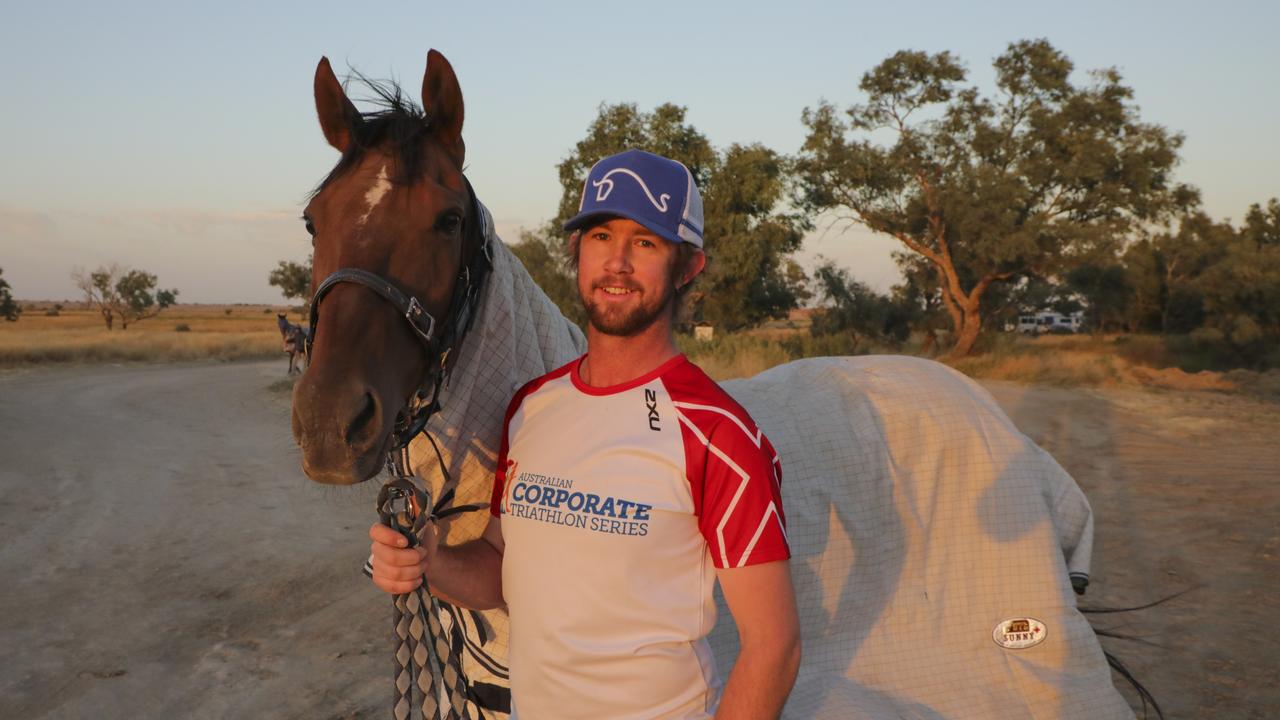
x=182 y=327
x=1245 y=330
x=1207 y=336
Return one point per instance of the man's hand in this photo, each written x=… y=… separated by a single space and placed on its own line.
x=398 y=569
x=468 y=575
x=763 y=605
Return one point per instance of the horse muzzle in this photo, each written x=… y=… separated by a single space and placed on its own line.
x=344 y=436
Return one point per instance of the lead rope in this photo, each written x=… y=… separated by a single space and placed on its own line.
x=426 y=657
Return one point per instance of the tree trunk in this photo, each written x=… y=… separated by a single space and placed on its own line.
x=930 y=341
x=967 y=333
x=109 y=319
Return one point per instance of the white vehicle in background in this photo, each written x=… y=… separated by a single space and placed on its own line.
x=1048 y=322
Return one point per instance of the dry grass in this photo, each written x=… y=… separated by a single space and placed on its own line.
x=80 y=336
x=249 y=331
x=1066 y=360
x=1130 y=360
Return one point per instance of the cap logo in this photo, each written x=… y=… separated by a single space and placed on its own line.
x=604 y=186
x=1019 y=633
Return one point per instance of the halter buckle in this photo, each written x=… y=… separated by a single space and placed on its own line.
x=413 y=313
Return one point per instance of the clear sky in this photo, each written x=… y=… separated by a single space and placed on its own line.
x=180 y=137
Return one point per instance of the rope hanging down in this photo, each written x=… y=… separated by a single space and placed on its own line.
x=427 y=657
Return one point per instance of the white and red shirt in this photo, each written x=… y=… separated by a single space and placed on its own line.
x=617 y=506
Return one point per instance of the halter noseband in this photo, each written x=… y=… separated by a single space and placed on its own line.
x=440 y=348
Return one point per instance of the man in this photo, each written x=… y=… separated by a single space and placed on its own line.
x=628 y=484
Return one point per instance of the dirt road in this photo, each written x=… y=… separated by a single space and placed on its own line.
x=163 y=556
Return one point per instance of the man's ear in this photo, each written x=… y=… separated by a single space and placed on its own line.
x=697 y=261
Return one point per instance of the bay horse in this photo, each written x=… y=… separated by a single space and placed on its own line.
x=295 y=339
x=934 y=545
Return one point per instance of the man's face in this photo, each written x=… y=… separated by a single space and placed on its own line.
x=625 y=276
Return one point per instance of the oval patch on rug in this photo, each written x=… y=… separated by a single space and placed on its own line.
x=1019 y=633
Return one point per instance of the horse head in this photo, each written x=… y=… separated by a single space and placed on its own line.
x=393 y=208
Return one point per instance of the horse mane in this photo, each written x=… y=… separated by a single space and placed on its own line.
x=396 y=123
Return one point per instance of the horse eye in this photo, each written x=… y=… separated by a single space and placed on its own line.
x=449 y=224
x=311 y=229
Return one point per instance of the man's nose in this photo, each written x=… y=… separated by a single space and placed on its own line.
x=619 y=259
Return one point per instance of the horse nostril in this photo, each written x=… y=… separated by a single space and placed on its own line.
x=363 y=422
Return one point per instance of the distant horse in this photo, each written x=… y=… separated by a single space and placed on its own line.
x=934 y=545
x=295 y=342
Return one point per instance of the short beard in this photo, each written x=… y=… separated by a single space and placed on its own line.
x=632 y=322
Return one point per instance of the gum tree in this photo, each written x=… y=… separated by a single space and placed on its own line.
x=119 y=292
x=294 y=281
x=1029 y=181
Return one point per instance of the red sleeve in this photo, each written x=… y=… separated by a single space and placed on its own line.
x=741 y=513
x=736 y=481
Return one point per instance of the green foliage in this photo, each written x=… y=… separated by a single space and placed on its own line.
x=119 y=292
x=543 y=255
x=1262 y=225
x=1244 y=282
x=9 y=309
x=1218 y=283
x=854 y=308
x=1029 y=181
x=138 y=299
x=294 y=281
x=99 y=290
x=1163 y=272
x=750 y=274
x=1106 y=291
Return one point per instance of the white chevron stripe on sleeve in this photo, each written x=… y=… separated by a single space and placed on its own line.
x=742 y=486
x=772 y=510
x=755 y=438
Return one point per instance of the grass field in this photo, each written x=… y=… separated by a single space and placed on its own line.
x=182 y=332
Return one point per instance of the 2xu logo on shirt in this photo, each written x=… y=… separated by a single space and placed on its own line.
x=651 y=401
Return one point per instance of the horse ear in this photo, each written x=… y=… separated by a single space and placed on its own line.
x=337 y=115
x=442 y=99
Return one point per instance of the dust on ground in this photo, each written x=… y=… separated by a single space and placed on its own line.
x=165 y=557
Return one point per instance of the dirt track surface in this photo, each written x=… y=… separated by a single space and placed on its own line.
x=163 y=556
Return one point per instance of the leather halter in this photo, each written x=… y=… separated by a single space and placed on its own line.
x=439 y=339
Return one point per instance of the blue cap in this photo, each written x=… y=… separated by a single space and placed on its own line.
x=654 y=191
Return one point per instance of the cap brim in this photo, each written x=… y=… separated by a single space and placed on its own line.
x=581 y=220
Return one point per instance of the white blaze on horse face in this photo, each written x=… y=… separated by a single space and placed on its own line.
x=381 y=185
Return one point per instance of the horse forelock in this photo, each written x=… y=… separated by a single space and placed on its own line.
x=396 y=126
